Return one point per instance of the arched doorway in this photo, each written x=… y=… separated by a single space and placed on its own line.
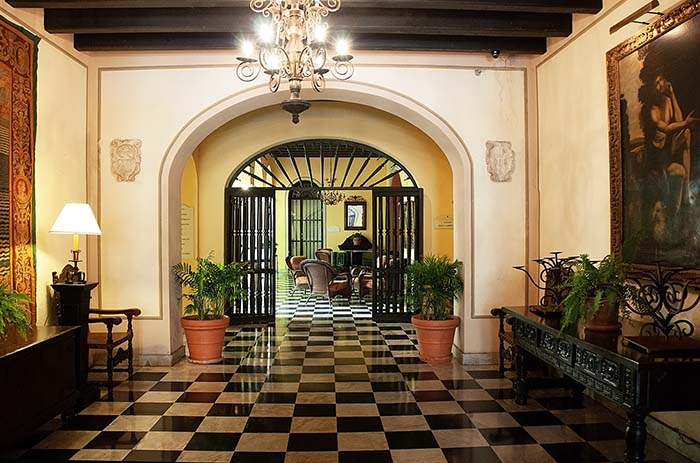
x=317 y=173
x=236 y=105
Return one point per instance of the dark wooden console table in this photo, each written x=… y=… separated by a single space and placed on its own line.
x=39 y=378
x=640 y=383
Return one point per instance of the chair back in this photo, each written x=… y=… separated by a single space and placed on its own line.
x=325 y=255
x=320 y=275
x=294 y=262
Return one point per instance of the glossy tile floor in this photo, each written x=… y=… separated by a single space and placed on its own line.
x=330 y=385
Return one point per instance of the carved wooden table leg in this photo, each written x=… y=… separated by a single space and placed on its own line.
x=636 y=436
x=520 y=383
x=577 y=392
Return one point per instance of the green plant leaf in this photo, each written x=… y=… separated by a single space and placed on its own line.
x=432 y=285
x=213 y=285
x=13 y=311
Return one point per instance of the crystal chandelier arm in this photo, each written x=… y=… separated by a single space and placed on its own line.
x=248 y=69
x=275 y=80
x=343 y=68
x=266 y=7
x=318 y=81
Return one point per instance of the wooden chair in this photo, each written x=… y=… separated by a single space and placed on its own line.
x=325 y=281
x=110 y=340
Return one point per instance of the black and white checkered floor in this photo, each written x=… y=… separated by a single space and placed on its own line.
x=330 y=385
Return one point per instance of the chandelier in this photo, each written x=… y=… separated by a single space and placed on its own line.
x=292 y=47
x=331 y=197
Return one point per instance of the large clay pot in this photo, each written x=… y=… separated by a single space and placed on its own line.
x=435 y=338
x=205 y=338
x=606 y=319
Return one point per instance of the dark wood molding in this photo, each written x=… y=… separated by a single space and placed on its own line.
x=534 y=6
x=229 y=40
x=353 y=21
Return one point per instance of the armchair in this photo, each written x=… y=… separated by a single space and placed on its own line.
x=294 y=265
x=325 y=255
x=110 y=340
x=325 y=281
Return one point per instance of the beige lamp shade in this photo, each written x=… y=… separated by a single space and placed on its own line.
x=76 y=218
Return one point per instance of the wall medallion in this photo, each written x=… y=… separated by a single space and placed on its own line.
x=126 y=159
x=500 y=160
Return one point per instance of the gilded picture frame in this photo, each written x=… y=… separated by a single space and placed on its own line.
x=654 y=137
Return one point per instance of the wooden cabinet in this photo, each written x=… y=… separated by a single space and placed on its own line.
x=39 y=378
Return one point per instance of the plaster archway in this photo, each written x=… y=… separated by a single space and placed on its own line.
x=402 y=106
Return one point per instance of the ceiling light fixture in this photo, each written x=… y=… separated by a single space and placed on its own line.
x=292 y=46
x=331 y=197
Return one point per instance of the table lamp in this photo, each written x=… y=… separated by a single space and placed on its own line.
x=76 y=219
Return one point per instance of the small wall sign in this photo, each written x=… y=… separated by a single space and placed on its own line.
x=443 y=221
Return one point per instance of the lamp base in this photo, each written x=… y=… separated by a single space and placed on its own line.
x=71 y=274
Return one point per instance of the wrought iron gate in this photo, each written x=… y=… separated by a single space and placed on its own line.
x=398 y=241
x=250 y=237
x=305 y=222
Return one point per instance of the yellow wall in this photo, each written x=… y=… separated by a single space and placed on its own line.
x=189 y=189
x=335 y=217
x=220 y=154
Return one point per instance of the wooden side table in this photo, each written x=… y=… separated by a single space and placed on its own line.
x=74 y=310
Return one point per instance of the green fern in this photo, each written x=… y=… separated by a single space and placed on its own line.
x=589 y=285
x=13 y=311
x=212 y=286
x=432 y=284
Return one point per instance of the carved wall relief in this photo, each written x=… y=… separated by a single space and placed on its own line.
x=500 y=160
x=126 y=159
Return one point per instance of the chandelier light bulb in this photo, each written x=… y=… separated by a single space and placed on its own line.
x=320 y=32
x=342 y=47
x=266 y=33
x=247 y=49
x=273 y=62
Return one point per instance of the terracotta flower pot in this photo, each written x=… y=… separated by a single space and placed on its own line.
x=606 y=319
x=435 y=338
x=205 y=338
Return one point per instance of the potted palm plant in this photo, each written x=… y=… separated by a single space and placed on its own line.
x=596 y=295
x=432 y=284
x=211 y=287
x=13 y=311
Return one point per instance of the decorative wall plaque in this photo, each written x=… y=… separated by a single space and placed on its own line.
x=500 y=160
x=126 y=159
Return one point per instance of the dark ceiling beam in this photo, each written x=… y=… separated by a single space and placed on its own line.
x=534 y=6
x=228 y=41
x=354 y=21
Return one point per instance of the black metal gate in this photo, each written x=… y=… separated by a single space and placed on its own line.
x=305 y=222
x=250 y=237
x=398 y=241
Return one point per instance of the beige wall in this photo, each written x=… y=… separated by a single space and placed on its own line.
x=224 y=150
x=183 y=94
x=574 y=171
x=60 y=152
